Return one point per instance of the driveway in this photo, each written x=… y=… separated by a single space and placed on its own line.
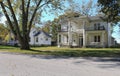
x=38 y=65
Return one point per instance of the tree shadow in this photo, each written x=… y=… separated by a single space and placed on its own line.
x=103 y=62
x=103 y=58
x=79 y=53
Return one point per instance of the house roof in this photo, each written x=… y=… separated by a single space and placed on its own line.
x=39 y=32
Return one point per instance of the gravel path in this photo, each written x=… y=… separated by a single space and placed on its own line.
x=38 y=65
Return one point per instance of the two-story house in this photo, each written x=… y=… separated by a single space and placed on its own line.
x=85 y=31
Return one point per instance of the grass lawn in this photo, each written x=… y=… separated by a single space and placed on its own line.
x=70 y=52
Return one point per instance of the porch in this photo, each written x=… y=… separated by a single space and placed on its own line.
x=72 y=40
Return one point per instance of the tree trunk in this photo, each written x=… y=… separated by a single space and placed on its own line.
x=24 y=45
x=24 y=42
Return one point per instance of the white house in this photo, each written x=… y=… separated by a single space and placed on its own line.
x=38 y=37
x=83 y=31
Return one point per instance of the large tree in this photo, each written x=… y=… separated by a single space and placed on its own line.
x=21 y=14
x=111 y=9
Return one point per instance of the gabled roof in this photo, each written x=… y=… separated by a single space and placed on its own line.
x=39 y=32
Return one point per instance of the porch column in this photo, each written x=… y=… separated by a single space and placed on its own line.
x=58 y=43
x=70 y=39
x=69 y=34
x=84 y=45
x=109 y=34
x=103 y=38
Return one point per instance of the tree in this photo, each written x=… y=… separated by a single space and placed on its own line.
x=111 y=9
x=46 y=26
x=86 y=8
x=55 y=28
x=52 y=27
x=21 y=14
x=3 y=31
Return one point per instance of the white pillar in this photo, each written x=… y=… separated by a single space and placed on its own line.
x=69 y=34
x=103 y=40
x=84 y=45
x=69 y=38
x=109 y=34
x=58 y=43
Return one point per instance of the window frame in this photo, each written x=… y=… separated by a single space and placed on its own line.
x=97 y=38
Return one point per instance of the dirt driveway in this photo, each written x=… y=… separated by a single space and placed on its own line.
x=38 y=65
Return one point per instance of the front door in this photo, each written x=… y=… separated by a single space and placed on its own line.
x=81 y=41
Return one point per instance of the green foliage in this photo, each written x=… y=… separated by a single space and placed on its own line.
x=111 y=8
x=3 y=31
x=52 y=28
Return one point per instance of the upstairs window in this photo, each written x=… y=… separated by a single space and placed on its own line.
x=97 y=26
x=65 y=28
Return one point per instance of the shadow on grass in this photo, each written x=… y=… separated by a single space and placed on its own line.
x=80 y=53
x=70 y=52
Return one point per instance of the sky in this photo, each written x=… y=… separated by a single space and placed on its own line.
x=116 y=32
x=3 y=19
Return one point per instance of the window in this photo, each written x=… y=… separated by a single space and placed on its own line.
x=36 y=39
x=59 y=38
x=46 y=39
x=34 y=32
x=96 y=38
x=67 y=38
x=97 y=26
x=11 y=39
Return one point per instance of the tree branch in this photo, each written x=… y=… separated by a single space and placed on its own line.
x=24 y=25
x=28 y=5
x=14 y=17
x=45 y=3
x=27 y=9
x=8 y=19
x=32 y=18
x=37 y=7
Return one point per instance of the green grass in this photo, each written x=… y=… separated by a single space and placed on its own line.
x=70 y=52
